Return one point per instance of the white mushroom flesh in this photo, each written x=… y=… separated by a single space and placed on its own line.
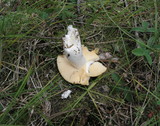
x=72 y=47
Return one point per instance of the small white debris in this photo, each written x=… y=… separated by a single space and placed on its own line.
x=105 y=56
x=108 y=55
x=66 y=94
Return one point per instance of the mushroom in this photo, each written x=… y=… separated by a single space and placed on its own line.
x=78 y=64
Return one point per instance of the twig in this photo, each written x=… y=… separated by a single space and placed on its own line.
x=0 y=54
x=135 y=24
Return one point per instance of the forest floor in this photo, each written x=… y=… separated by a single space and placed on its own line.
x=127 y=94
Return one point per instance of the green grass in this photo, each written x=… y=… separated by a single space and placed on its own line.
x=31 y=39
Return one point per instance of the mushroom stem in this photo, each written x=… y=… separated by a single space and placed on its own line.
x=72 y=47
